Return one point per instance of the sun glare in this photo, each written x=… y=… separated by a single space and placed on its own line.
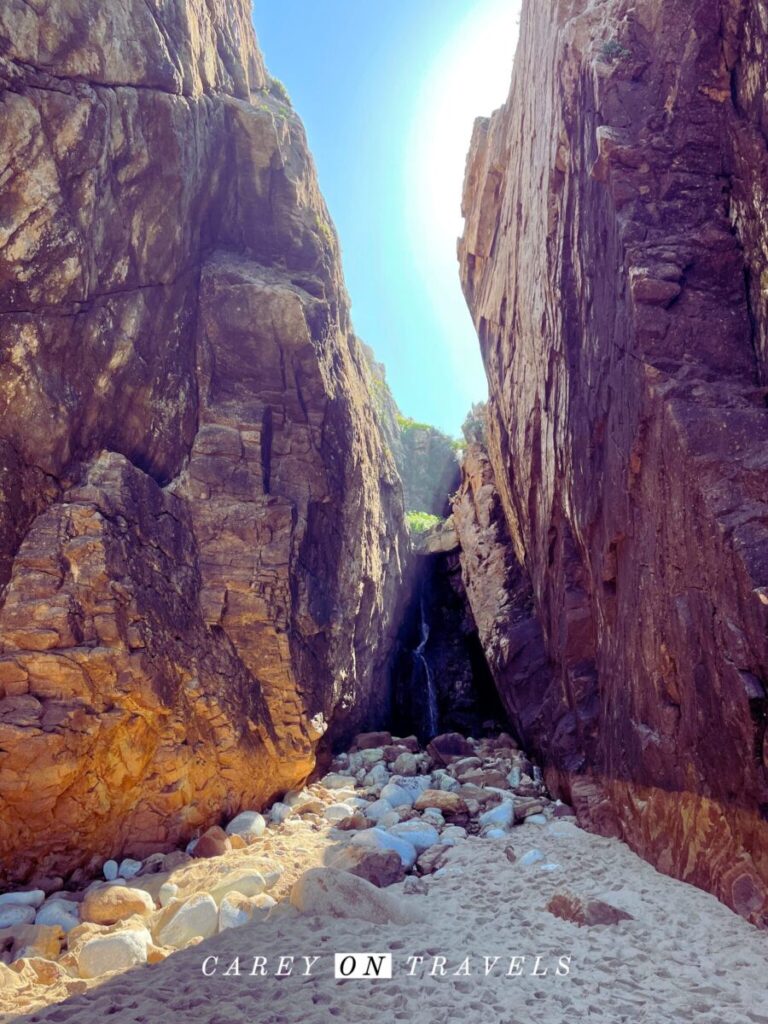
x=468 y=78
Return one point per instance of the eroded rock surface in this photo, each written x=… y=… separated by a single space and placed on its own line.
x=200 y=526
x=613 y=259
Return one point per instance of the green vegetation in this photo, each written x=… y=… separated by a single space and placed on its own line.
x=612 y=51
x=324 y=228
x=278 y=90
x=420 y=522
x=408 y=423
x=459 y=444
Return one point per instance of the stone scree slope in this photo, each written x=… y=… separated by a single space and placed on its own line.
x=200 y=528
x=614 y=261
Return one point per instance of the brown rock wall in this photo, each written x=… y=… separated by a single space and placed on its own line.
x=611 y=259
x=200 y=527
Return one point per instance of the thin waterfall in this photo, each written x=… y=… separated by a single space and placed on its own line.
x=419 y=654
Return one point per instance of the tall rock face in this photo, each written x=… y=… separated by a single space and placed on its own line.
x=201 y=529
x=614 y=261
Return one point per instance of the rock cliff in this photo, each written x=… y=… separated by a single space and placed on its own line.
x=201 y=528
x=614 y=261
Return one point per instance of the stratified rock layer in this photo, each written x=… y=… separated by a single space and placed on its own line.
x=614 y=261
x=200 y=527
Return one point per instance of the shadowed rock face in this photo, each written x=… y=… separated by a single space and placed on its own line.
x=200 y=527
x=613 y=259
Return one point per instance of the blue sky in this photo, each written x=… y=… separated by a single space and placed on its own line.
x=388 y=90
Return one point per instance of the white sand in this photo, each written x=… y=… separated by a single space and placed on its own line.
x=684 y=957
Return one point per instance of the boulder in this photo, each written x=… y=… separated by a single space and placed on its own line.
x=380 y=867
x=197 y=917
x=449 y=746
x=379 y=839
x=24 y=897
x=61 y=913
x=406 y=764
x=370 y=740
x=244 y=881
x=432 y=859
x=451 y=805
x=420 y=834
x=168 y=891
x=331 y=893
x=129 y=868
x=116 y=952
x=110 y=904
x=500 y=816
x=377 y=809
x=214 y=842
x=13 y=914
x=397 y=796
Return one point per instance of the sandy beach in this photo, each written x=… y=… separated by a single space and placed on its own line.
x=681 y=957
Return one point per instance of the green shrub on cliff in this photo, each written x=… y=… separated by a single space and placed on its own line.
x=420 y=522
x=278 y=90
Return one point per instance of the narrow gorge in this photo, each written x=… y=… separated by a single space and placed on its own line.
x=269 y=646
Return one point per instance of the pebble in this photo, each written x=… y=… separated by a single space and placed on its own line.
x=537 y=819
x=337 y=812
x=334 y=780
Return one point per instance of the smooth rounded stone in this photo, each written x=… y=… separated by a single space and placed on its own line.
x=353 y=822
x=448 y=747
x=337 y=812
x=197 y=917
x=168 y=891
x=214 y=842
x=372 y=740
x=334 y=780
x=129 y=868
x=278 y=812
x=389 y=819
x=432 y=859
x=531 y=857
x=380 y=867
x=377 y=776
x=420 y=834
x=63 y=913
x=434 y=817
x=413 y=784
x=377 y=809
x=500 y=816
x=26 y=897
x=370 y=757
x=109 y=870
x=406 y=764
x=444 y=782
x=377 y=838
x=190 y=847
x=110 y=904
x=537 y=819
x=12 y=914
x=237 y=910
x=454 y=833
x=330 y=892
x=152 y=865
x=449 y=805
x=116 y=952
x=398 y=796
x=494 y=832
x=247 y=821
x=246 y=882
